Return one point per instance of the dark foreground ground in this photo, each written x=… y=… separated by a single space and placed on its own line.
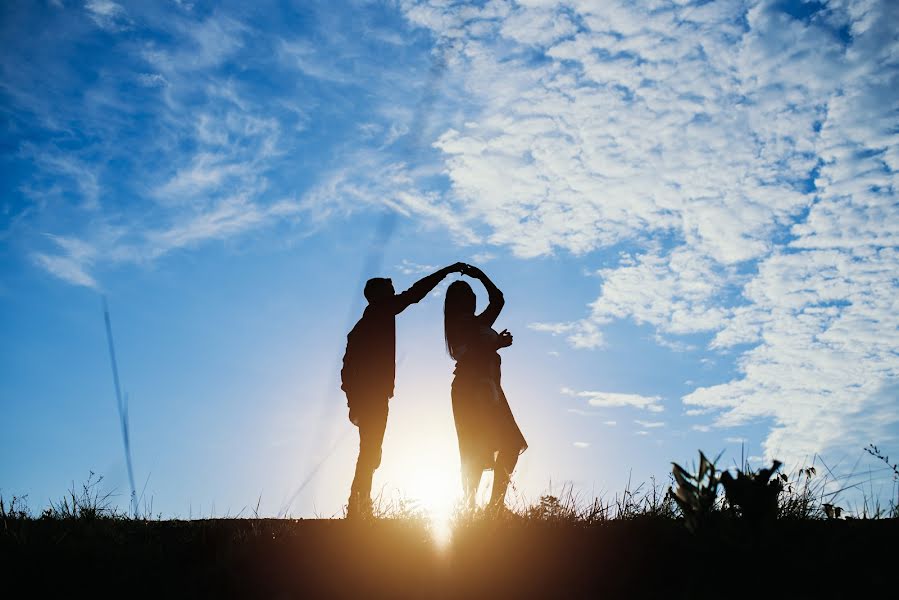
x=399 y=559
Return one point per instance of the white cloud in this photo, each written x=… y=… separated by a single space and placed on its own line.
x=695 y=412
x=107 y=14
x=582 y=413
x=581 y=444
x=616 y=400
x=202 y=176
x=372 y=182
x=582 y=334
x=205 y=171
x=72 y=265
x=828 y=338
x=201 y=45
x=553 y=328
x=649 y=424
x=66 y=268
x=540 y=26
x=216 y=148
x=218 y=193
x=676 y=293
x=408 y=267
x=746 y=159
x=482 y=257
x=151 y=80
x=67 y=171
x=761 y=148
x=673 y=345
x=307 y=57
x=227 y=218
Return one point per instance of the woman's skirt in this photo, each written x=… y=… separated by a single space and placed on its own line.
x=484 y=421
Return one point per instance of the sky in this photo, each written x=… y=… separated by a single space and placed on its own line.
x=690 y=207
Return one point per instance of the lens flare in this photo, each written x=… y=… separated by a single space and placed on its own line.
x=441 y=529
x=436 y=495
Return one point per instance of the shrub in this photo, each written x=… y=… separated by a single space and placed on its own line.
x=754 y=493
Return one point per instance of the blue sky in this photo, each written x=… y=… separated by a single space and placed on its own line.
x=690 y=207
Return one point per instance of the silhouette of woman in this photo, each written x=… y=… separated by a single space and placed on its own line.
x=489 y=437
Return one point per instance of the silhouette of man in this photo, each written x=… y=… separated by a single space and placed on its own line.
x=369 y=370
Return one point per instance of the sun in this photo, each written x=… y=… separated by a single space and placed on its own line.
x=420 y=454
x=422 y=468
x=436 y=494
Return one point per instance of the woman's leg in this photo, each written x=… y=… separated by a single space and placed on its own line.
x=471 y=479
x=502 y=471
x=467 y=431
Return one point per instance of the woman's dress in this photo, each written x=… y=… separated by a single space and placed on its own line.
x=484 y=420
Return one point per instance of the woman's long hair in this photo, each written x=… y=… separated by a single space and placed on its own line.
x=460 y=303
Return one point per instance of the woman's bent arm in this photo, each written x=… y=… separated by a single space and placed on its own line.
x=494 y=295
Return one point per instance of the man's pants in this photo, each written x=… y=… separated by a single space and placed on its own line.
x=371 y=419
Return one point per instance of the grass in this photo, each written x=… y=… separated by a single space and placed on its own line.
x=555 y=550
x=564 y=544
x=807 y=493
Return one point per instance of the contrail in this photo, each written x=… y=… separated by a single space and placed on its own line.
x=375 y=256
x=382 y=235
x=122 y=404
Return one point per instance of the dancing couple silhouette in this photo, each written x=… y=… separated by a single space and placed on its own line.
x=489 y=437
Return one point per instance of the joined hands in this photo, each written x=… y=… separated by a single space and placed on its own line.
x=470 y=270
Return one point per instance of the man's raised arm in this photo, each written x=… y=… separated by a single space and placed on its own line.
x=424 y=285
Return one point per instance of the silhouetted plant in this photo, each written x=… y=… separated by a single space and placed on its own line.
x=657 y=504
x=567 y=506
x=832 y=511
x=876 y=453
x=651 y=503
x=754 y=493
x=15 y=510
x=598 y=511
x=893 y=511
x=88 y=504
x=550 y=508
x=802 y=495
x=562 y=506
x=396 y=506
x=629 y=503
x=696 y=494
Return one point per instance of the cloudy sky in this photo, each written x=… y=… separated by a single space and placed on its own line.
x=690 y=207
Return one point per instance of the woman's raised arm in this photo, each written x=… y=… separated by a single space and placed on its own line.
x=494 y=295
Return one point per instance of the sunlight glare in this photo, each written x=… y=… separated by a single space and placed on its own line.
x=421 y=451
x=436 y=494
x=428 y=478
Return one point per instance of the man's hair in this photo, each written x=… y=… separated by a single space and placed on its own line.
x=374 y=286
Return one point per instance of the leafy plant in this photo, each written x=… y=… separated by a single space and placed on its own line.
x=696 y=494
x=832 y=511
x=754 y=493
